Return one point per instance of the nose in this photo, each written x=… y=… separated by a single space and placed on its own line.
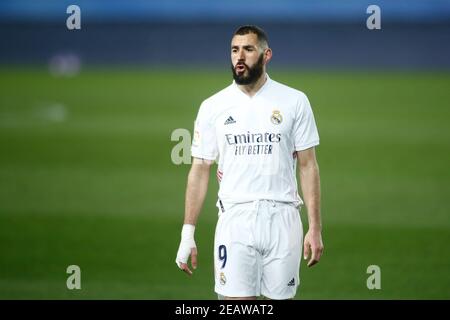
x=241 y=55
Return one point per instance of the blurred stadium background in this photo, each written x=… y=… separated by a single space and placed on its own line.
x=86 y=118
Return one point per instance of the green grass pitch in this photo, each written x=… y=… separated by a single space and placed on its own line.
x=86 y=178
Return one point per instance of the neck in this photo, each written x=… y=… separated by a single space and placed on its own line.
x=252 y=89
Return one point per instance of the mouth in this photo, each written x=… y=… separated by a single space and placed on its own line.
x=240 y=68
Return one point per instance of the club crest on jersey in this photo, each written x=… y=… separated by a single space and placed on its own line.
x=276 y=117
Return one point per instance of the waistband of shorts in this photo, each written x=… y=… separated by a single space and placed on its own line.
x=224 y=205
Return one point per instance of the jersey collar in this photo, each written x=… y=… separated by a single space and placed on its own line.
x=263 y=87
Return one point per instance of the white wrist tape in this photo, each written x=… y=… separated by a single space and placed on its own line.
x=186 y=244
x=187 y=233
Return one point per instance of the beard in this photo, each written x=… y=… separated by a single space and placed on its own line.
x=254 y=73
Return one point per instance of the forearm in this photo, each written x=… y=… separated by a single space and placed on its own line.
x=197 y=187
x=310 y=184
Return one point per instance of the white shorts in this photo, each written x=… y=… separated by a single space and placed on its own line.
x=257 y=250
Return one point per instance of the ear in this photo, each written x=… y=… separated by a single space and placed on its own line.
x=267 y=55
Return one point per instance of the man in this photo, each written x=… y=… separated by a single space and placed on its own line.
x=258 y=129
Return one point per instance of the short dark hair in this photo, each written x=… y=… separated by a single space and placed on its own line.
x=261 y=35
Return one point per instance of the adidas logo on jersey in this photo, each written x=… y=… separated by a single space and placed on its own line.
x=291 y=283
x=230 y=120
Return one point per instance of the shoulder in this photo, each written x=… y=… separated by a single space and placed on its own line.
x=218 y=99
x=296 y=100
x=281 y=89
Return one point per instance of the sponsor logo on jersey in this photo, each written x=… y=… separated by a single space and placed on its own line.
x=230 y=120
x=253 y=143
x=249 y=137
x=276 y=117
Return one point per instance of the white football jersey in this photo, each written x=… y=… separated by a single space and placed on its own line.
x=254 y=140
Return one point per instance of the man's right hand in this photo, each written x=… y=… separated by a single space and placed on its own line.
x=187 y=248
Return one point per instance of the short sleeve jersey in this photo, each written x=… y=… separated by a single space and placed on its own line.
x=255 y=140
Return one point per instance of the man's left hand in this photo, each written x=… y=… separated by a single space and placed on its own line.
x=313 y=246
